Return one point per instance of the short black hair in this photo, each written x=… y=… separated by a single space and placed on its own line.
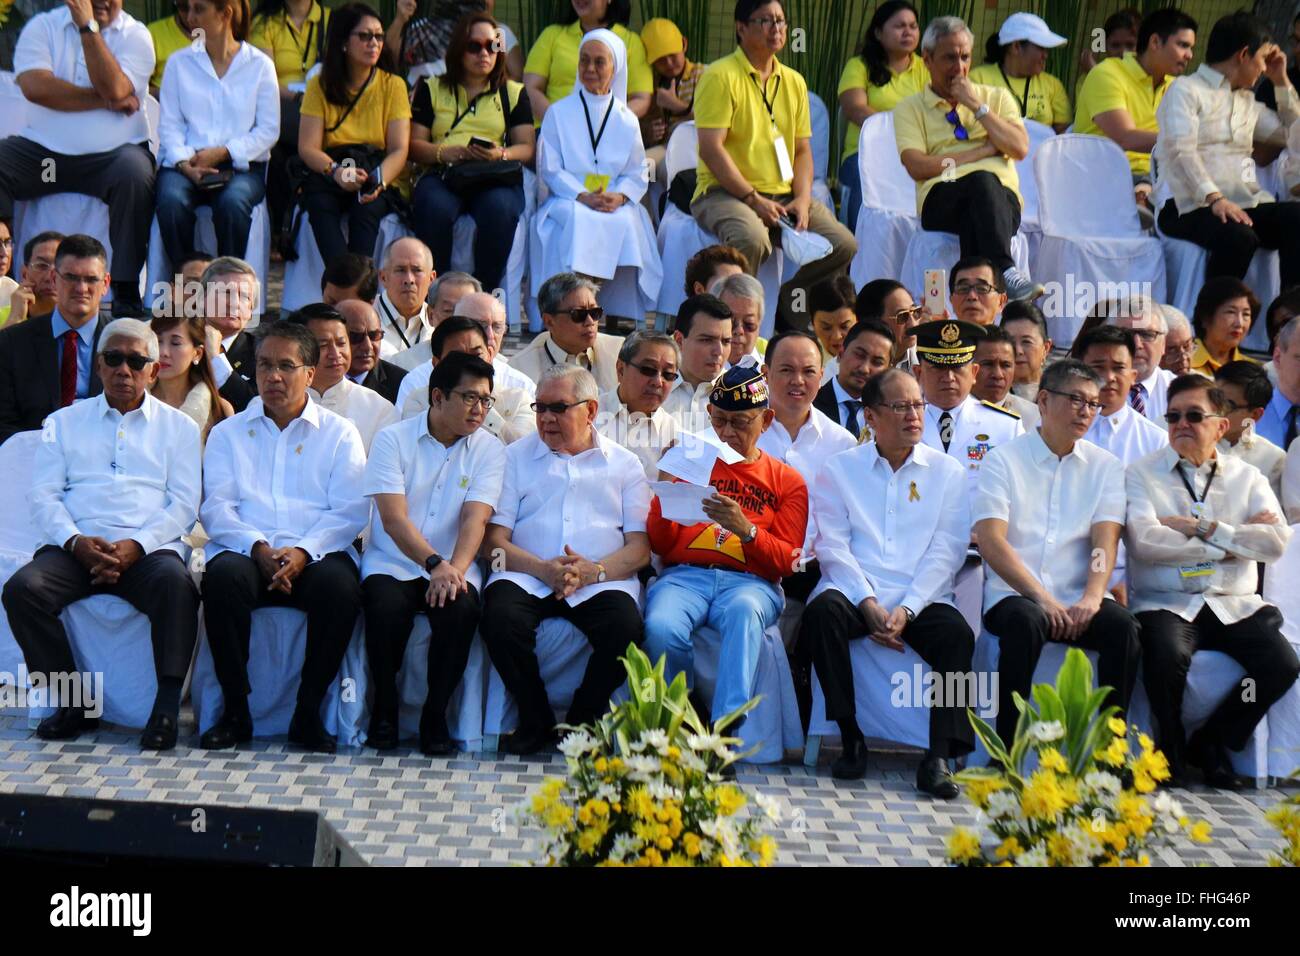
x=975 y=262
x=1194 y=381
x=454 y=325
x=994 y=334
x=833 y=294
x=745 y=8
x=865 y=327
x=308 y=348
x=873 y=393
x=780 y=337
x=1287 y=300
x=710 y=305
x=1104 y=335
x=449 y=372
x=352 y=269
x=1021 y=311
x=194 y=255
x=619 y=11
x=872 y=296
x=316 y=312
x=49 y=235
x=80 y=246
x=1252 y=378
x=1162 y=23
x=699 y=267
x=1056 y=375
x=1232 y=32
x=1215 y=292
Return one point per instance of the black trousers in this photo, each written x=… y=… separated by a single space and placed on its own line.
x=980 y=210
x=123 y=178
x=610 y=620
x=391 y=606
x=1256 y=643
x=158 y=586
x=1231 y=245
x=328 y=209
x=939 y=634
x=328 y=591
x=1022 y=629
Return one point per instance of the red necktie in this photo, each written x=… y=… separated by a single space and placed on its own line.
x=68 y=370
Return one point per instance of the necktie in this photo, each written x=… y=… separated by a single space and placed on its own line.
x=68 y=370
x=1136 y=398
x=945 y=429
x=1290 y=428
x=854 y=421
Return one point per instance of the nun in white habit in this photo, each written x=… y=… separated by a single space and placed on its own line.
x=592 y=163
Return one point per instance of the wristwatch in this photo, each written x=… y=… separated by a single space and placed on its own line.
x=753 y=533
x=432 y=561
x=1203 y=524
x=601 y=576
x=91 y=27
x=911 y=616
x=982 y=112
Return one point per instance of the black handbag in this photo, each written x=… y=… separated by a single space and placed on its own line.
x=479 y=174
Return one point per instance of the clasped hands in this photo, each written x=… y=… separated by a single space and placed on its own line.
x=280 y=567
x=884 y=626
x=602 y=201
x=106 y=560
x=569 y=572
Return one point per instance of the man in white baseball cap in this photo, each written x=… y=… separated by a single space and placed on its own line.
x=1015 y=58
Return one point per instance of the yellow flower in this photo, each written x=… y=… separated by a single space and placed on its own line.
x=1114 y=754
x=674 y=753
x=601 y=765
x=979 y=789
x=691 y=843
x=1043 y=798
x=652 y=857
x=1200 y=832
x=664 y=843
x=1051 y=759
x=963 y=845
x=729 y=800
x=1010 y=847
x=589 y=840
x=765 y=847
x=1117 y=727
x=677 y=859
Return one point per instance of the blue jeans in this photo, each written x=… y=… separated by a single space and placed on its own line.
x=232 y=211
x=739 y=606
x=495 y=212
x=851 y=191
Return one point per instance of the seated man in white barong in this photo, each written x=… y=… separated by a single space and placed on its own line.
x=593 y=163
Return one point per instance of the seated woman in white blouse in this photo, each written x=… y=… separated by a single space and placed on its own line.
x=592 y=161
x=185 y=379
x=220 y=117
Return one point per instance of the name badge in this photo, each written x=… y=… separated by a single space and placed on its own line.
x=1196 y=577
x=783 y=159
x=597 y=182
x=1198 y=509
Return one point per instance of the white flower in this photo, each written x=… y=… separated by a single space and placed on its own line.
x=1003 y=803
x=624 y=844
x=1035 y=857
x=769 y=805
x=690 y=761
x=642 y=768
x=706 y=742
x=660 y=790
x=656 y=738
x=721 y=830
x=607 y=792
x=1102 y=782
x=578 y=743
x=1047 y=731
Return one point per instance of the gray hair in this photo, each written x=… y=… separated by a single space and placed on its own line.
x=467 y=307
x=388 y=252
x=1136 y=307
x=740 y=286
x=224 y=266
x=453 y=278
x=555 y=289
x=1059 y=374
x=584 y=383
x=130 y=329
x=632 y=344
x=941 y=27
x=1175 y=319
x=1286 y=334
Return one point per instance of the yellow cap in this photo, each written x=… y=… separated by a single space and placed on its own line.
x=661 y=37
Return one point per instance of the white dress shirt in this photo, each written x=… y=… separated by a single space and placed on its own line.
x=401 y=333
x=98 y=472
x=51 y=41
x=510 y=418
x=1126 y=434
x=899 y=536
x=240 y=111
x=807 y=453
x=601 y=360
x=363 y=407
x=300 y=487
x=587 y=501
x=437 y=481
x=689 y=405
x=1155 y=395
x=1050 y=505
x=1170 y=571
x=1255 y=449
x=646 y=436
x=1291 y=483
x=507 y=376
x=978 y=427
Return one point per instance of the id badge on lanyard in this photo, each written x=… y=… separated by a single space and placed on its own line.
x=782 y=156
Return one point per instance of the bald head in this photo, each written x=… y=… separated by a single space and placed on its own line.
x=489 y=312
x=363 y=325
x=406 y=274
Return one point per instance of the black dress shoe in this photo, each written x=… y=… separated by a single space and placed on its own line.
x=530 y=740
x=227 y=732
x=126 y=302
x=934 y=777
x=382 y=735
x=160 y=733
x=851 y=764
x=435 y=738
x=1212 y=757
x=306 y=730
x=66 y=723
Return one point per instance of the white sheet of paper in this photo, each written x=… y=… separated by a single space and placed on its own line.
x=694 y=455
x=681 y=501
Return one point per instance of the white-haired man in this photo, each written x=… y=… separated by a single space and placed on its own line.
x=743 y=295
x=1146 y=320
x=232 y=294
x=572 y=318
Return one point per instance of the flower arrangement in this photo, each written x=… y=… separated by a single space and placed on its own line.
x=645 y=787
x=1286 y=817
x=1087 y=802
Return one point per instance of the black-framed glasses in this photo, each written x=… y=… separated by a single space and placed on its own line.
x=902 y=408
x=1077 y=402
x=369 y=37
x=979 y=288
x=904 y=316
x=770 y=23
x=582 y=316
x=284 y=368
x=954 y=120
x=6 y=243
x=474 y=398
x=374 y=335
x=649 y=371
x=113 y=358
x=1194 y=416
x=71 y=278
x=735 y=424
x=1147 y=335
x=1232 y=406
x=555 y=408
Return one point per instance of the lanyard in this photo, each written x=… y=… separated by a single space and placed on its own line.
x=305 y=49
x=771 y=108
x=1024 y=100
x=397 y=326
x=594 y=136
x=471 y=108
x=1198 y=503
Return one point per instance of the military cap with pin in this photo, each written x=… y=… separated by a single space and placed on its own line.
x=739 y=389
x=947 y=341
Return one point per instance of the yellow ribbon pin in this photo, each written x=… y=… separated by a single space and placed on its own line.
x=298 y=450
x=912 y=493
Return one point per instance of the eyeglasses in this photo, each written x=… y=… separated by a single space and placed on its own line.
x=1233 y=406
x=1147 y=335
x=902 y=408
x=6 y=243
x=958 y=130
x=1077 y=402
x=979 y=288
x=649 y=371
x=113 y=358
x=365 y=37
x=582 y=316
x=71 y=278
x=474 y=47
x=374 y=335
x=473 y=398
x=1186 y=348
x=555 y=408
x=735 y=424
x=40 y=265
x=1194 y=416
x=284 y=368
x=770 y=23
x=904 y=316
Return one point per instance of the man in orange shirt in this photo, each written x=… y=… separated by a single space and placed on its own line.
x=726 y=573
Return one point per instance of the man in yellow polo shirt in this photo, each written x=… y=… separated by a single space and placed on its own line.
x=959 y=140
x=170 y=33
x=756 y=165
x=1120 y=95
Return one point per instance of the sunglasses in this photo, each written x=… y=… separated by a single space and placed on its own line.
x=903 y=316
x=555 y=408
x=374 y=335
x=958 y=130
x=114 y=358
x=649 y=371
x=582 y=316
x=474 y=47
x=369 y=37
x=1194 y=416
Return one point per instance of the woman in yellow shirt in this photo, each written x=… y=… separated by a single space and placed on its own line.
x=887 y=70
x=552 y=64
x=353 y=135
x=1015 y=59
x=1224 y=311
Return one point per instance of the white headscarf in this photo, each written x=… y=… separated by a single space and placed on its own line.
x=610 y=40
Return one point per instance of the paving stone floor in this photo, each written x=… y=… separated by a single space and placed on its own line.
x=404 y=809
